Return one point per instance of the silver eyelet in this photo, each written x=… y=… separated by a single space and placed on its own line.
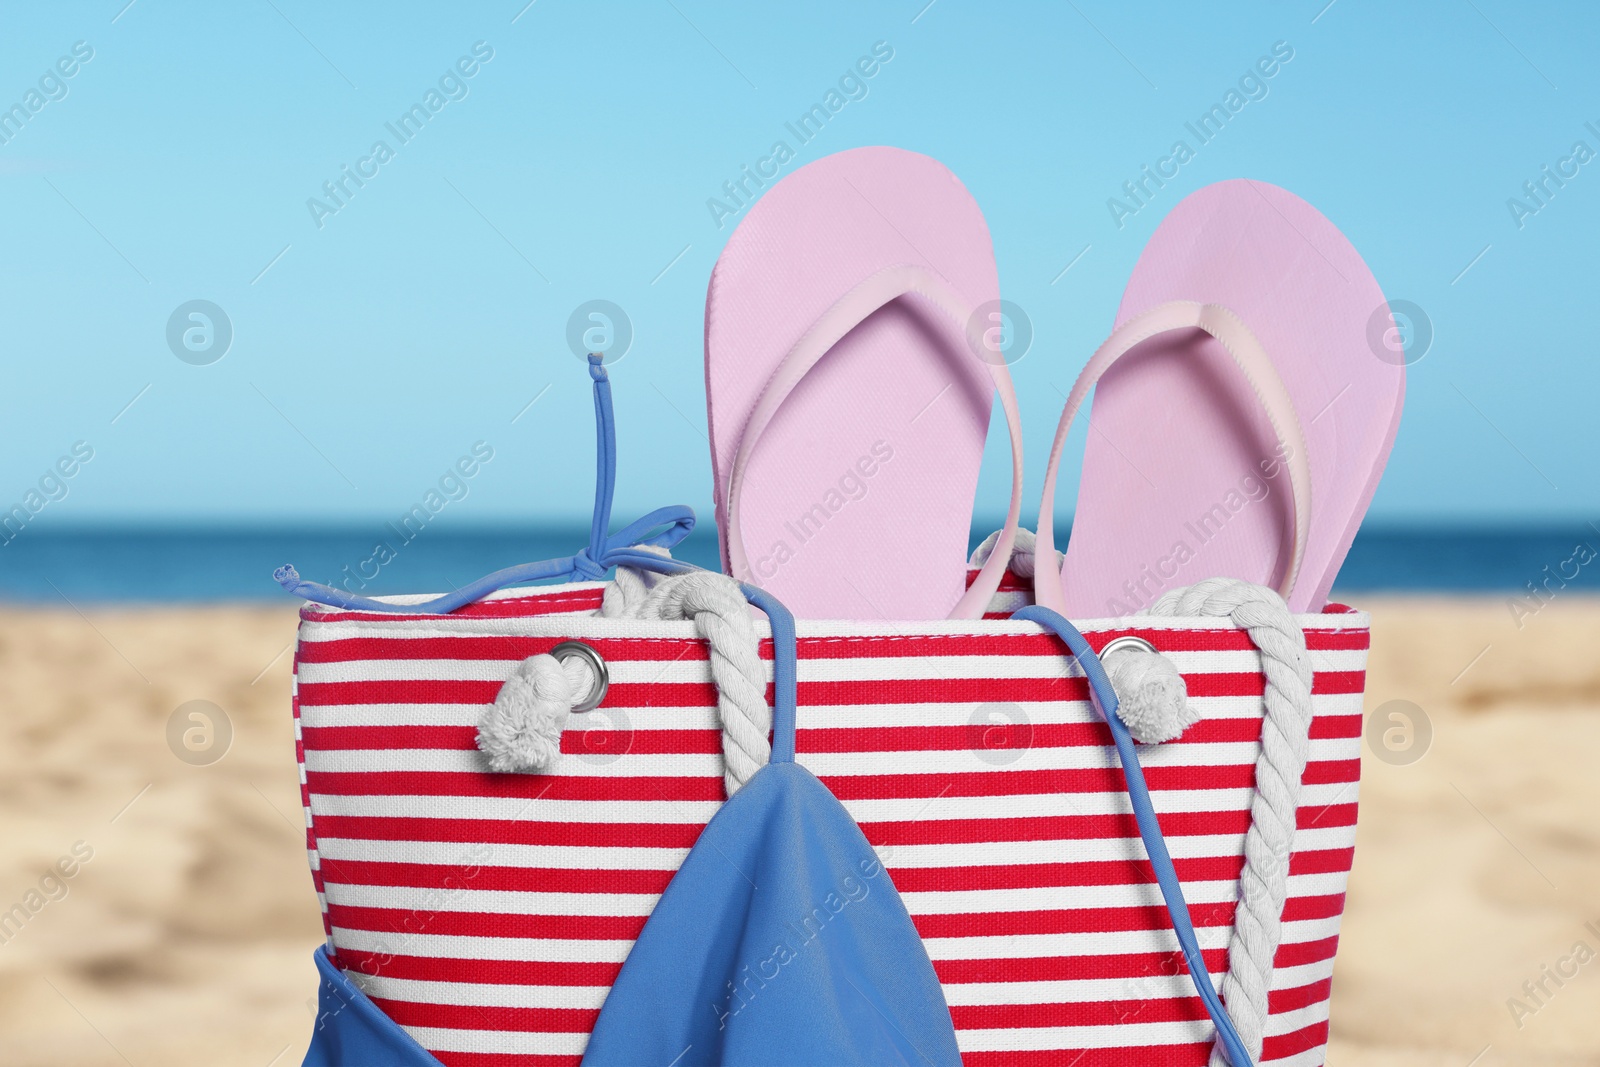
x=602 y=678
x=1128 y=641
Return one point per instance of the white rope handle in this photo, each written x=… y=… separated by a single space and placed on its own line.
x=1253 y=361
x=1285 y=746
x=521 y=730
x=1022 y=550
x=722 y=618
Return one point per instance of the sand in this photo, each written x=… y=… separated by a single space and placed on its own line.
x=186 y=938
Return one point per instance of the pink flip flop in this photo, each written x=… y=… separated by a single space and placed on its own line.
x=1239 y=376
x=848 y=408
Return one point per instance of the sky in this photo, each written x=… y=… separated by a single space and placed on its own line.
x=352 y=348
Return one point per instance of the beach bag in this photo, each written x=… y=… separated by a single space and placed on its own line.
x=487 y=914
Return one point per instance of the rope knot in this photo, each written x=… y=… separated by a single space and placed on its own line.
x=1152 y=699
x=521 y=730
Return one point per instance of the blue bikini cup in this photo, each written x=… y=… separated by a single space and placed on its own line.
x=781 y=940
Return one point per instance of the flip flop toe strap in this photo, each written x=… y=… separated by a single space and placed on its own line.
x=1257 y=367
x=845 y=315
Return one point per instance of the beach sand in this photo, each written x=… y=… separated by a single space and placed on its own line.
x=186 y=937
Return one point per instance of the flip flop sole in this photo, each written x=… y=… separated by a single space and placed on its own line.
x=858 y=498
x=1181 y=476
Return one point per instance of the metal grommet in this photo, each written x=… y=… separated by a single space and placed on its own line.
x=1129 y=641
x=602 y=678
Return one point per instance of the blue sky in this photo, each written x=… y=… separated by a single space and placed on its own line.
x=374 y=346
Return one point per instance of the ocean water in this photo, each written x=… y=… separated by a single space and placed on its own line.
x=211 y=565
x=155 y=565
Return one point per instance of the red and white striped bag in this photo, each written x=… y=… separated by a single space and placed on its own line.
x=488 y=913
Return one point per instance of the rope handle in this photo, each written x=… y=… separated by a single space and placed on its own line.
x=1279 y=774
x=845 y=315
x=1259 y=371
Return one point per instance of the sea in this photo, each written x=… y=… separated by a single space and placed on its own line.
x=81 y=567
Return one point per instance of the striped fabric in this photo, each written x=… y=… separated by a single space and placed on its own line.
x=487 y=914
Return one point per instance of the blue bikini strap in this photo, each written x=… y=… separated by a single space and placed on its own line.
x=1104 y=699
x=784 y=684
x=604 y=551
x=624 y=548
